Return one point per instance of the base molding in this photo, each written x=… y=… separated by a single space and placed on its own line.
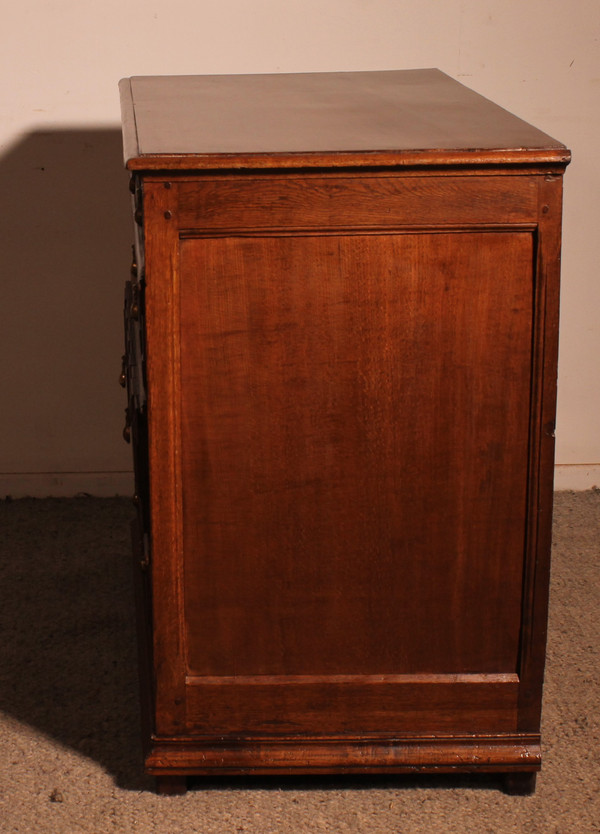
x=486 y=754
x=576 y=477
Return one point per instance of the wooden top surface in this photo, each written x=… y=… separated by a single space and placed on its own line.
x=403 y=117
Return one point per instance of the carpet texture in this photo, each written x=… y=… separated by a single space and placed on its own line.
x=69 y=728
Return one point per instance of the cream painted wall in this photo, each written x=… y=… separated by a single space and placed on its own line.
x=64 y=231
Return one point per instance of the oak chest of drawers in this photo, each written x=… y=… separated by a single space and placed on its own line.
x=341 y=368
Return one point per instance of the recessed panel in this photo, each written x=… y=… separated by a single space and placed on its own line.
x=355 y=422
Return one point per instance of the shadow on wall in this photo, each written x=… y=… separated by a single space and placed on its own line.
x=65 y=234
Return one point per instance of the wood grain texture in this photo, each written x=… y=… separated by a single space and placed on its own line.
x=162 y=331
x=311 y=404
x=508 y=753
x=326 y=705
x=236 y=203
x=539 y=535
x=322 y=119
x=351 y=400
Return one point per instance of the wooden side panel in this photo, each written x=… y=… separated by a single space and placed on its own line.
x=539 y=534
x=359 y=706
x=162 y=365
x=354 y=445
x=358 y=200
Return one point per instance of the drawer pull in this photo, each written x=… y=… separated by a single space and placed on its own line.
x=127 y=429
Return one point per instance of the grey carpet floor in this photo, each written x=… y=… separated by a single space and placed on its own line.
x=70 y=757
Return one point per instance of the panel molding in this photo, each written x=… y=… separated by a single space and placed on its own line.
x=283 y=680
x=486 y=753
x=345 y=230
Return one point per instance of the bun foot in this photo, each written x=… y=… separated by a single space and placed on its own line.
x=519 y=784
x=171 y=785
